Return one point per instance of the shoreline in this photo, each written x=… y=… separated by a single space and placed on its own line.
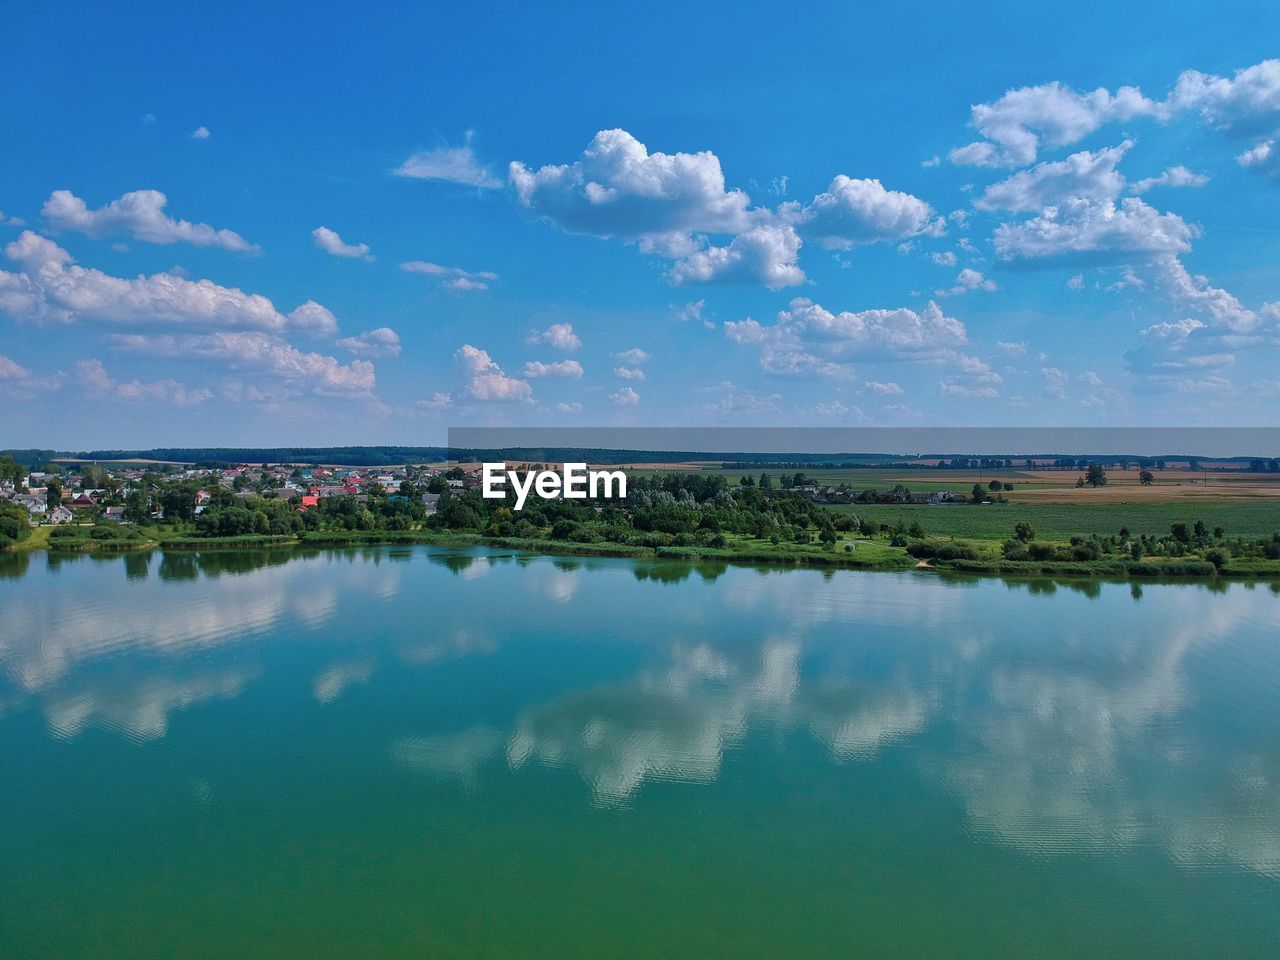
x=1194 y=571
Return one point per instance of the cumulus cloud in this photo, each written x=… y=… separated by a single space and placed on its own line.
x=1081 y=227
x=329 y=241
x=572 y=407
x=1091 y=175
x=51 y=287
x=92 y=377
x=571 y=369
x=764 y=254
x=957 y=389
x=484 y=380
x=200 y=133
x=884 y=389
x=452 y=278
x=1178 y=176
x=1011 y=347
x=809 y=339
x=628 y=373
x=966 y=280
x=1264 y=157
x=140 y=214
x=381 y=342
x=1240 y=104
x=1055 y=382
x=1024 y=120
x=259 y=352
x=1053 y=115
x=944 y=259
x=1220 y=328
x=450 y=165
x=732 y=400
x=617 y=188
x=626 y=397
x=635 y=356
x=17 y=380
x=559 y=336
x=688 y=311
x=852 y=212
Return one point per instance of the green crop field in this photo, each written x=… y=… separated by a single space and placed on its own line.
x=1060 y=521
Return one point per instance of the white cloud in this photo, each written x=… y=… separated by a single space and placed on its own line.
x=1075 y=282
x=260 y=352
x=484 y=380
x=852 y=212
x=617 y=188
x=572 y=407
x=1091 y=175
x=765 y=254
x=966 y=280
x=140 y=214
x=1022 y=121
x=93 y=378
x=635 y=356
x=559 y=336
x=452 y=278
x=958 y=390
x=17 y=380
x=689 y=311
x=51 y=287
x=944 y=259
x=1080 y=227
x=561 y=368
x=733 y=400
x=381 y=342
x=1251 y=97
x=1055 y=382
x=200 y=133
x=1264 y=157
x=1012 y=348
x=884 y=389
x=329 y=241
x=809 y=339
x=628 y=373
x=1178 y=176
x=1053 y=115
x=626 y=397
x=451 y=165
x=436 y=402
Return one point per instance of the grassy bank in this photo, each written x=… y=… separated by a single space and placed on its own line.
x=970 y=555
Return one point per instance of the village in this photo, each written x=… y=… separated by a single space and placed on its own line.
x=85 y=493
x=80 y=492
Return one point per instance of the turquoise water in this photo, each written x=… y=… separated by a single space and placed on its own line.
x=429 y=753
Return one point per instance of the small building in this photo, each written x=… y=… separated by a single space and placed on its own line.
x=60 y=514
x=114 y=513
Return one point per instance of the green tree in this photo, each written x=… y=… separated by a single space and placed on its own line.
x=1024 y=531
x=1146 y=478
x=53 y=493
x=1095 y=476
x=979 y=493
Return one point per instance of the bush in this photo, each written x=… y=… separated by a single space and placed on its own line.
x=942 y=551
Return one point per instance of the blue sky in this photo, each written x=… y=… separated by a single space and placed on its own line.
x=322 y=226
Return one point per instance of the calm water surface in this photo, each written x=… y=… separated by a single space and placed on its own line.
x=419 y=753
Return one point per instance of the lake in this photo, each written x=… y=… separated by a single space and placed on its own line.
x=412 y=752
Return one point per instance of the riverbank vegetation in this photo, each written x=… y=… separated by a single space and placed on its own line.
x=704 y=516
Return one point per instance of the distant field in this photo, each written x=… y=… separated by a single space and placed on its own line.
x=1060 y=521
x=1055 y=486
